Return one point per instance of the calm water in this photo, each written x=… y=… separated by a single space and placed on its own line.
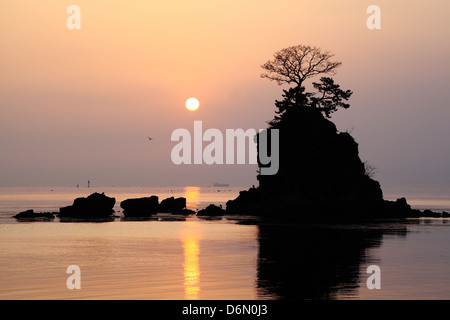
x=214 y=259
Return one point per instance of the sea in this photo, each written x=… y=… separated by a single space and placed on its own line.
x=171 y=257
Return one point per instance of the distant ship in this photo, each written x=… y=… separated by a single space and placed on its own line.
x=221 y=185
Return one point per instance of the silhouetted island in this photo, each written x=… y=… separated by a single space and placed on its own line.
x=320 y=172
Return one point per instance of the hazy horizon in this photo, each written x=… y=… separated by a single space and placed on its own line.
x=79 y=105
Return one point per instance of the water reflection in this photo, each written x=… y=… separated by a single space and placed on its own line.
x=313 y=262
x=191 y=263
x=192 y=197
x=84 y=220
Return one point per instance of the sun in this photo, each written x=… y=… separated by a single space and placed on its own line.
x=192 y=104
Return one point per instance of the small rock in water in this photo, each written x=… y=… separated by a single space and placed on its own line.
x=30 y=214
x=140 y=207
x=172 y=205
x=94 y=206
x=211 y=210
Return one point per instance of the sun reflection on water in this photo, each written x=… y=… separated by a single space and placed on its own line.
x=192 y=197
x=191 y=264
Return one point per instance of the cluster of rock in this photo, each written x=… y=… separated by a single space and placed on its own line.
x=320 y=176
x=145 y=207
x=96 y=206
x=100 y=206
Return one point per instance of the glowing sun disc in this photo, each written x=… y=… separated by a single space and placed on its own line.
x=192 y=104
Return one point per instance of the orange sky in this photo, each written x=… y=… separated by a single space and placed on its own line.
x=79 y=104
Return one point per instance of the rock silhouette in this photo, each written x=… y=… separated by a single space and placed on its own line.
x=31 y=215
x=186 y=212
x=96 y=205
x=172 y=205
x=140 y=207
x=320 y=174
x=211 y=210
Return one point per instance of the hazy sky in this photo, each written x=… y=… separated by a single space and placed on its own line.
x=80 y=104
